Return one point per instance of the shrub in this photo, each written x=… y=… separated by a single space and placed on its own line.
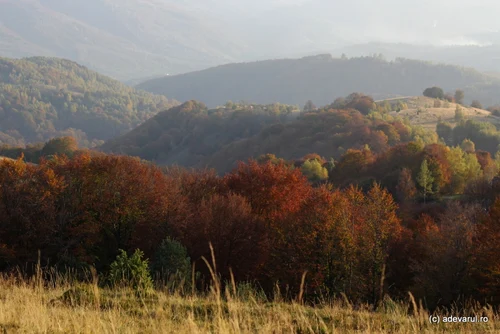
x=131 y=272
x=79 y=296
x=172 y=262
x=434 y=92
x=459 y=115
x=476 y=104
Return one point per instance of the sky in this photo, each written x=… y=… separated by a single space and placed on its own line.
x=423 y=21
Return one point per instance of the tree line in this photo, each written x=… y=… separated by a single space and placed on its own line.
x=266 y=223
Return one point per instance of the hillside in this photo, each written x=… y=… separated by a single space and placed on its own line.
x=123 y=39
x=321 y=79
x=42 y=98
x=474 y=51
x=422 y=111
x=192 y=135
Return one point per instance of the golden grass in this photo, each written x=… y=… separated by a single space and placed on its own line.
x=421 y=112
x=27 y=306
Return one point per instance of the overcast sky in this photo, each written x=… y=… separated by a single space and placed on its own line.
x=413 y=21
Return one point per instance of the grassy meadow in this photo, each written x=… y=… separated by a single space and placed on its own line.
x=62 y=305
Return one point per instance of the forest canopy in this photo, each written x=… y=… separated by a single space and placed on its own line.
x=42 y=98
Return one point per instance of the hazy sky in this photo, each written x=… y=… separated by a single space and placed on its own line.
x=413 y=21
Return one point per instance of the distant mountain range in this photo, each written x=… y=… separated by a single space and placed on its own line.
x=323 y=78
x=125 y=39
x=131 y=40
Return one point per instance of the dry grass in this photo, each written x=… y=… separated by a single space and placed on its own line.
x=27 y=306
x=421 y=111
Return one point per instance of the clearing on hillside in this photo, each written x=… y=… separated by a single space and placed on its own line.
x=424 y=111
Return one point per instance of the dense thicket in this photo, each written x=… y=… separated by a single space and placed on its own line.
x=321 y=78
x=265 y=221
x=42 y=98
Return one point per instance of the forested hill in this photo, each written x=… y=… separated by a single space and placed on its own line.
x=192 y=135
x=42 y=98
x=321 y=78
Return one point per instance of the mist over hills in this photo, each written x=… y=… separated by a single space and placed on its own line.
x=322 y=78
x=124 y=39
x=137 y=39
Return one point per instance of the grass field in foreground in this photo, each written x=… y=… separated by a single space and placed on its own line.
x=63 y=306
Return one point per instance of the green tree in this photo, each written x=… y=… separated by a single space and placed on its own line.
x=131 y=271
x=468 y=146
x=459 y=114
x=425 y=179
x=314 y=171
x=434 y=92
x=459 y=96
x=445 y=132
x=172 y=262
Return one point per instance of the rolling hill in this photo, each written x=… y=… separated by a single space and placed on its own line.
x=42 y=98
x=193 y=135
x=423 y=111
x=322 y=78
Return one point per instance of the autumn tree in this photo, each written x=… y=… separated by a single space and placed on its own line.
x=363 y=103
x=363 y=229
x=468 y=146
x=28 y=212
x=236 y=234
x=486 y=262
x=63 y=145
x=111 y=203
x=380 y=229
x=272 y=190
x=444 y=270
x=406 y=189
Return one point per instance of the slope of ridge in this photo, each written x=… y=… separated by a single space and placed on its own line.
x=123 y=39
x=42 y=98
x=191 y=135
x=321 y=79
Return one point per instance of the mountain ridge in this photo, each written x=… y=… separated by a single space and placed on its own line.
x=321 y=78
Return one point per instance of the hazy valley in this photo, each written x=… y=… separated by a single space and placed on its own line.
x=283 y=166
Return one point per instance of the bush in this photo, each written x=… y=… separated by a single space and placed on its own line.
x=434 y=92
x=79 y=296
x=459 y=115
x=172 y=262
x=476 y=104
x=131 y=272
